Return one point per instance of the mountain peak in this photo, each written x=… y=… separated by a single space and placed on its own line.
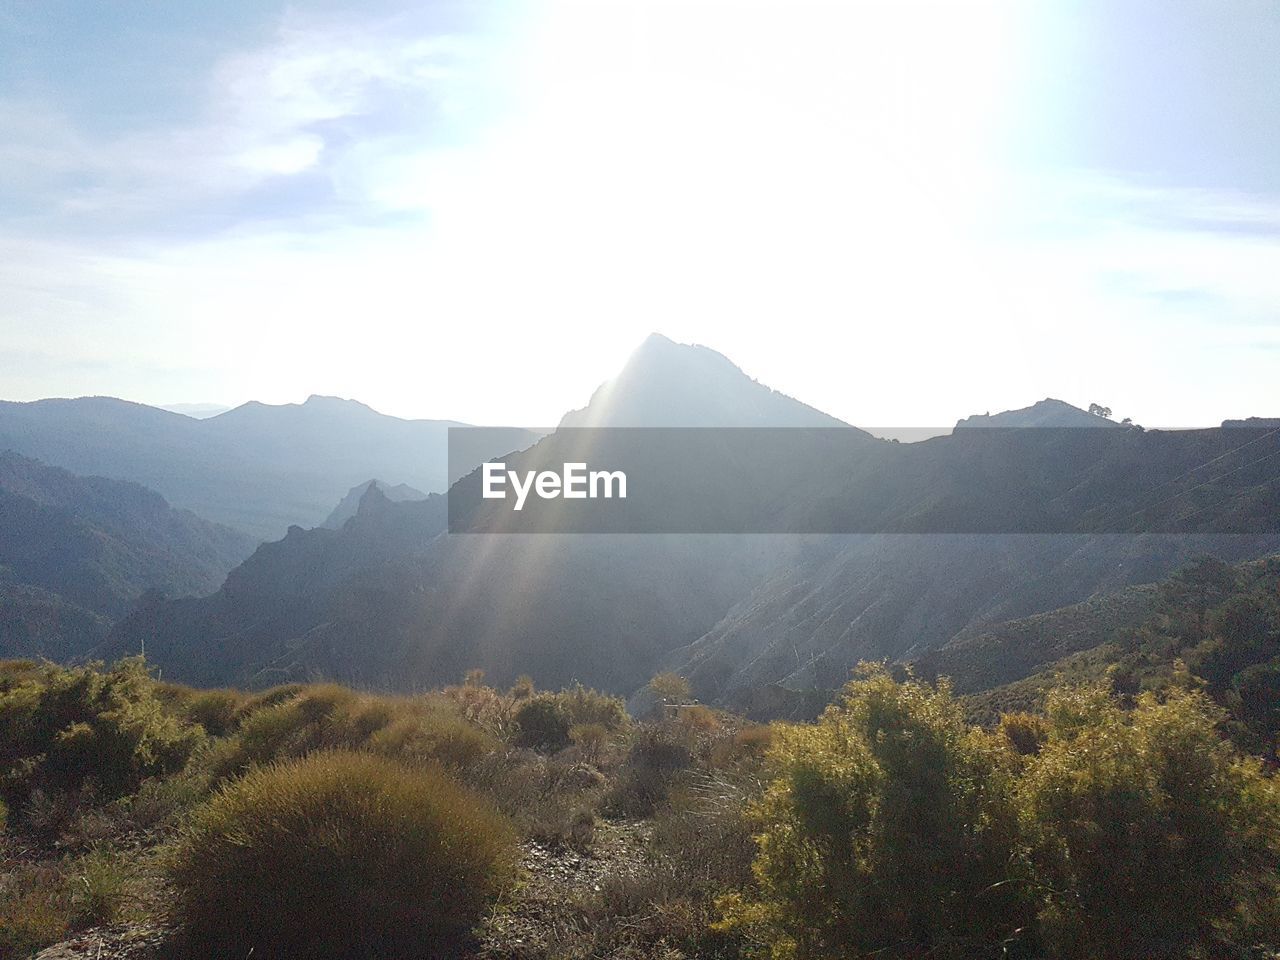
x=669 y=384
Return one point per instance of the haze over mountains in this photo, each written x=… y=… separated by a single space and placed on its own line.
x=389 y=599
x=258 y=468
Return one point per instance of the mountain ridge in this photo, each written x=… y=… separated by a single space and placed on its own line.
x=390 y=599
x=258 y=467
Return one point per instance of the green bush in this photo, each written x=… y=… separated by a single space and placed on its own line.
x=542 y=724
x=582 y=705
x=218 y=711
x=99 y=890
x=441 y=738
x=339 y=855
x=1150 y=835
x=88 y=729
x=888 y=829
x=329 y=717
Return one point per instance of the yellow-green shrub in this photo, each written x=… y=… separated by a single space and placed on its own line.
x=436 y=737
x=888 y=829
x=339 y=855
x=327 y=717
x=1149 y=833
x=88 y=728
x=218 y=711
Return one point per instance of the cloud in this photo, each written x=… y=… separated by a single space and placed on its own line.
x=301 y=104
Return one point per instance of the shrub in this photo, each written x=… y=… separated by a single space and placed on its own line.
x=590 y=739
x=542 y=724
x=99 y=890
x=1149 y=834
x=328 y=717
x=747 y=746
x=699 y=719
x=483 y=706
x=1024 y=732
x=439 y=738
x=582 y=705
x=659 y=752
x=269 y=698
x=218 y=711
x=523 y=688
x=670 y=687
x=888 y=828
x=64 y=730
x=379 y=860
x=33 y=912
x=662 y=905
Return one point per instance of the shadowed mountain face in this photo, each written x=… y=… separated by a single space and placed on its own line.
x=259 y=468
x=390 y=599
x=77 y=551
x=847 y=599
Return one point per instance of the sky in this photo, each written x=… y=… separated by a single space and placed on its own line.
x=901 y=212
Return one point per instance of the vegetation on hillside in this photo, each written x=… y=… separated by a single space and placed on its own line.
x=1213 y=624
x=1122 y=812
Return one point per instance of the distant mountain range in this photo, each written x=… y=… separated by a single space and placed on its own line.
x=390 y=599
x=258 y=468
x=76 y=552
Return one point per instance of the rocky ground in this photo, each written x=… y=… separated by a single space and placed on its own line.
x=530 y=918
x=121 y=942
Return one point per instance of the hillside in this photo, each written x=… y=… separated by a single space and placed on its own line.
x=846 y=599
x=1220 y=621
x=76 y=552
x=259 y=468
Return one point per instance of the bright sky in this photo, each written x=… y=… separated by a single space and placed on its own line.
x=900 y=212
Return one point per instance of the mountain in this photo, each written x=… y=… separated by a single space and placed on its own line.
x=259 y=468
x=390 y=599
x=666 y=384
x=76 y=552
x=350 y=504
x=1044 y=413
